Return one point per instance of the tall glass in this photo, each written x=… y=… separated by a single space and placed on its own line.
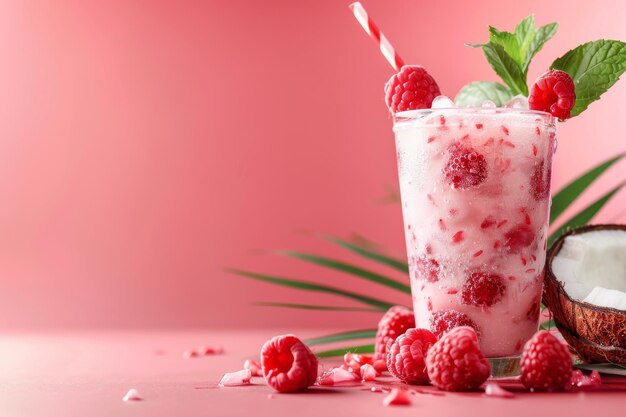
x=475 y=187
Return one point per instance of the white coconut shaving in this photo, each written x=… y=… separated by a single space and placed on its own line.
x=592 y=267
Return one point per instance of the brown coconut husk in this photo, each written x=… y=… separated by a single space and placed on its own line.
x=596 y=334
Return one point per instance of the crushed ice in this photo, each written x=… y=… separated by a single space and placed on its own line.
x=235 y=379
x=494 y=390
x=254 y=367
x=442 y=102
x=338 y=376
x=132 y=395
x=517 y=102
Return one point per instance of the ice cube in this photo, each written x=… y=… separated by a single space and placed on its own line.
x=488 y=104
x=254 y=367
x=338 y=376
x=517 y=102
x=234 y=379
x=443 y=102
x=494 y=390
x=368 y=373
x=132 y=395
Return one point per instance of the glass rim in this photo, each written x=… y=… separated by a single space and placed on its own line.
x=420 y=113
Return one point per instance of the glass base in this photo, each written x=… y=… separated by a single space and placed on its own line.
x=505 y=367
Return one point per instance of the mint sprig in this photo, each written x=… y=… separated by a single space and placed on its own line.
x=476 y=93
x=510 y=53
x=594 y=67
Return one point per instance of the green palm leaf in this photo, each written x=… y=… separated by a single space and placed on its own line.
x=342 y=351
x=582 y=217
x=311 y=286
x=317 y=307
x=547 y=325
x=338 y=337
x=370 y=254
x=568 y=194
x=350 y=269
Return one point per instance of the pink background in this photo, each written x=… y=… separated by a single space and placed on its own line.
x=146 y=146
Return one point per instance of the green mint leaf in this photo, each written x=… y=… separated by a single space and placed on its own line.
x=594 y=67
x=508 y=41
x=506 y=68
x=474 y=94
x=525 y=33
x=475 y=45
x=543 y=35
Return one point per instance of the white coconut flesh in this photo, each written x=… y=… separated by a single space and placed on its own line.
x=592 y=267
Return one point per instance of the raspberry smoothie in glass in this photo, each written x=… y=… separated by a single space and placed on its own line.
x=475 y=187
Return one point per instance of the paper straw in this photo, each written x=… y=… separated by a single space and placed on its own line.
x=377 y=36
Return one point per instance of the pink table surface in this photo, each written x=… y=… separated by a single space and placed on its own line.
x=87 y=374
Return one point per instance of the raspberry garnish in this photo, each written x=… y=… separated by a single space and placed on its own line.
x=483 y=289
x=410 y=89
x=427 y=268
x=407 y=355
x=465 y=168
x=445 y=320
x=540 y=181
x=395 y=322
x=455 y=362
x=553 y=92
x=288 y=364
x=546 y=363
x=518 y=238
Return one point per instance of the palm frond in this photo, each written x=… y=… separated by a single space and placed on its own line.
x=568 y=194
x=312 y=286
x=338 y=337
x=350 y=269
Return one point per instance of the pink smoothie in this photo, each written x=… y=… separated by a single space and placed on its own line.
x=475 y=186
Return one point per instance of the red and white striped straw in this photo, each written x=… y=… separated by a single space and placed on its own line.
x=377 y=36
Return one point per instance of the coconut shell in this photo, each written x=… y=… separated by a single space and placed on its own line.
x=596 y=334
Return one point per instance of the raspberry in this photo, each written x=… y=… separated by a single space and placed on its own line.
x=553 y=92
x=465 y=168
x=540 y=181
x=455 y=362
x=410 y=89
x=546 y=363
x=407 y=355
x=445 y=320
x=518 y=238
x=288 y=364
x=483 y=289
x=394 y=323
x=427 y=268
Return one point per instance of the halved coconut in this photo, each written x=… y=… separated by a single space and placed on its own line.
x=585 y=289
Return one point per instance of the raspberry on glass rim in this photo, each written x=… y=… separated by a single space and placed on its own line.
x=553 y=92
x=412 y=88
